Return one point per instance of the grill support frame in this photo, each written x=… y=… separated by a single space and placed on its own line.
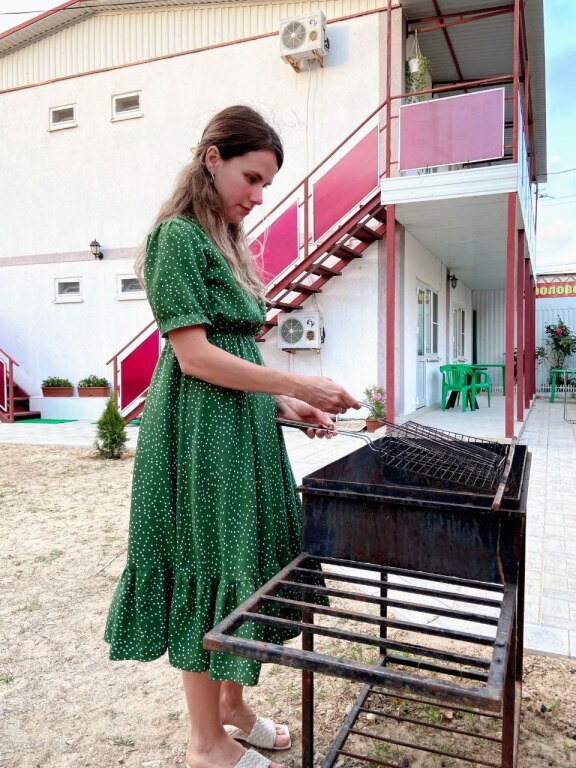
x=492 y=558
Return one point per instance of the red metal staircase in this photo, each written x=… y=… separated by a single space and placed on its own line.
x=14 y=401
x=357 y=233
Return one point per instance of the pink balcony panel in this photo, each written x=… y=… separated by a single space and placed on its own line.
x=136 y=369
x=346 y=184
x=457 y=129
x=3 y=386
x=280 y=244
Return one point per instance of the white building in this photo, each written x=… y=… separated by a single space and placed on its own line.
x=100 y=104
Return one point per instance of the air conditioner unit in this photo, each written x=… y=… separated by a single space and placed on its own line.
x=302 y=330
x=303 y=38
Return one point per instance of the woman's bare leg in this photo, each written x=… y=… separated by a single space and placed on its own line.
x=236 y=711
x=209 y=745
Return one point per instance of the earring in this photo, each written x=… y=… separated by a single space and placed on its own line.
x=211 y=175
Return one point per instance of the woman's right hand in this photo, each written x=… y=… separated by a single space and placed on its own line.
x=323 y=393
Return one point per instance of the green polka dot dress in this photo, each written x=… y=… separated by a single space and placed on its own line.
x=215 y=513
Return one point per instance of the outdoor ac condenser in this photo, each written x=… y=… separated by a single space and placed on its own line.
x=303 y=38
x=301 y=330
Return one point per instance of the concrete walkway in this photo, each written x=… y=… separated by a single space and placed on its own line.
x=550 y=626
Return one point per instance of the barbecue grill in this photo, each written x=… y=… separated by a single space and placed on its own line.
x=410 y=559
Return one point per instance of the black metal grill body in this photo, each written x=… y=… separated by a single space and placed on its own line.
x=352 y=510
x=430 y=536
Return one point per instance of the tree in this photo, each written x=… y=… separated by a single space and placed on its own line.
x=111 y=433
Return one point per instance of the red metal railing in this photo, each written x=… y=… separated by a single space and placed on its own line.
x=132 y=367
x=7 y=364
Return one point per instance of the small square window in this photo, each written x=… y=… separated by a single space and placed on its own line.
x=126 y=106
x=63 y=117
x=128 y=287
x=67 y=290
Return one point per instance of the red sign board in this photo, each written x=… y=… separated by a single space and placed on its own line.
x=452 y=130
x=553 y=290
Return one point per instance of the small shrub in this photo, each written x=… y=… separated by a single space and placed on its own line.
x=93 y=381
x=54 y=381
x=111 y=432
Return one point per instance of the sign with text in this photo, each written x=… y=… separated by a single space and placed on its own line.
x=553 y=290
x=452 y=130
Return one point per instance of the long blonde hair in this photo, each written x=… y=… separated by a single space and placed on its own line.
x=234 y=131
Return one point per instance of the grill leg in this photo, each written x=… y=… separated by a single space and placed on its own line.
x=383 y=612
x=510 y=712
x=307 y=698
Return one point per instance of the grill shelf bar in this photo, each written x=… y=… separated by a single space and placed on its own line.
x=353 y=616
x=395 y=586
x=385 y=601
x=486 y=693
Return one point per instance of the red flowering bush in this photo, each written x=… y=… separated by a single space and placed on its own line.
x=561 y=343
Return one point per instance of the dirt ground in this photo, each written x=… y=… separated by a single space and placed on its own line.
x=63 y=525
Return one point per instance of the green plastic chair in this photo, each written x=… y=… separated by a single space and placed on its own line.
x=481 y=380
x=455 y=378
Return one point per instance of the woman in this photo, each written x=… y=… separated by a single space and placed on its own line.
x=214 y=509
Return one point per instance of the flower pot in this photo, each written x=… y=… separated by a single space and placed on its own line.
x=373 y=424
x=57 y=391
x=93 y=391
x=414 y=65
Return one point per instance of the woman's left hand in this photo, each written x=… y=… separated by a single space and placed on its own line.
x=298 y=410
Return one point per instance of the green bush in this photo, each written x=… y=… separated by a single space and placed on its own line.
x=93 y=381
x=54 y=381
x=111 y=432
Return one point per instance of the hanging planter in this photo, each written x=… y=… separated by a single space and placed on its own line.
x=418 y=77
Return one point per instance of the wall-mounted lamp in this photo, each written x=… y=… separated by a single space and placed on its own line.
x=452 y=279
x=95 y=248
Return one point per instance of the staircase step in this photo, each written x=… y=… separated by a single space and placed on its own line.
x=22 y=415
x=323 y=271
x=345 y=252
x=20 y=398
x=282 y=305
x=380 y=215
x=302 y=288
x=367 y=235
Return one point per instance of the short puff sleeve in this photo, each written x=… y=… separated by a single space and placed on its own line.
x=175 y=275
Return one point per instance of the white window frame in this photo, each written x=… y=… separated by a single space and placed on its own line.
x=128 y=114
x=68 y=298
x=458 y=334
x=67 y=123
x=128 y=295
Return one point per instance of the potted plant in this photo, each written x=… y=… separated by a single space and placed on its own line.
x=93 y=386
x=376 y=402
x=418 y=76
x=54 y=386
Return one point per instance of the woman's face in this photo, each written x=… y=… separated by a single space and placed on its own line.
x=240 y=181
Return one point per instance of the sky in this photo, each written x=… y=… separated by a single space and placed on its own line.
x=556 y=244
